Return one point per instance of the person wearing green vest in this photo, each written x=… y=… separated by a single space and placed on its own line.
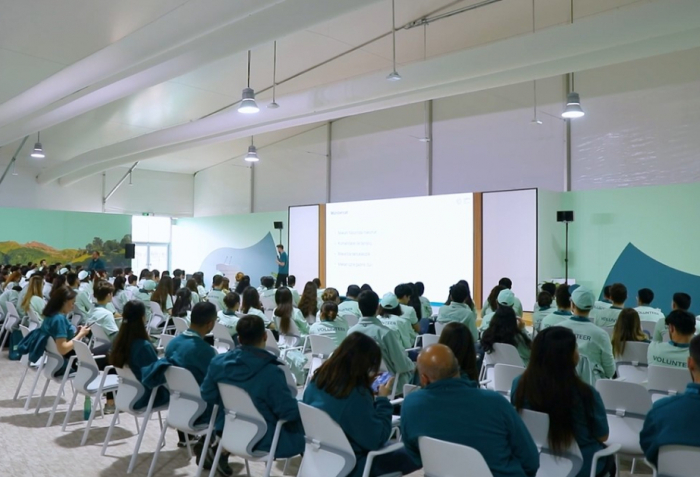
x=674 y=354
x=608 y=317
x=681 y=301
x=458 y=311
x=593 y=342
x=563 y=299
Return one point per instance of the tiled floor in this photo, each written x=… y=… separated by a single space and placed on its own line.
x=29 y=449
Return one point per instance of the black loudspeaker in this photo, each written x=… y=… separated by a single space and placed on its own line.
x=279 y=225
x=565 y=216
x=129 y=251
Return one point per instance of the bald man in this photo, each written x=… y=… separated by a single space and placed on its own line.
x=449 y=409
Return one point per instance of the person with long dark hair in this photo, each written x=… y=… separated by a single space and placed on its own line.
x=250 y=305
x=191 y=285
x=628 y=328
x=342 y=387
x=57 y=326
x=120 y=295
x=458 y=338
x=551 y=385
x=163 y=295
x=183 y=303
x=308 y=303
x=330 y=324
x=458 y=310
x=504 y=328
x=287 y=317
x=242 y=284
x=490 y=307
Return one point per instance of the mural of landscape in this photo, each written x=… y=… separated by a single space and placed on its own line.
x=112 y=252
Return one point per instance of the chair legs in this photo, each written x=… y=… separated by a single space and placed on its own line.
x=21 y=381
x=70 y=409
x=58 y=397
x=41 y=397
x=215 y=463
x=109 y=432
x=144 y=423
x=93 y=408
x=157 y=452
x=31 y=393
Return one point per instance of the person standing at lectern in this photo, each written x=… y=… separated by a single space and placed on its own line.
x=283 y=264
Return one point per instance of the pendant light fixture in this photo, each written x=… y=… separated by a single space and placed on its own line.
x=394 y=75
x=248 y=104
x=252 y=155
x=273 y=104
x=38 y=151
x=573 y=108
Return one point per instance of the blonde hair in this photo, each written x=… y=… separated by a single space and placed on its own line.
x=34 y=288
x=330 y=294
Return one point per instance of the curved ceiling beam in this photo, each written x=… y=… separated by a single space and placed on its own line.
x=599 y=40
x=256 y=27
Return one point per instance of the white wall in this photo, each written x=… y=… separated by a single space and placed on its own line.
x=222 y=190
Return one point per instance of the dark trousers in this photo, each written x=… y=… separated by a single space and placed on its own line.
x=397 y=461
x=281 y=280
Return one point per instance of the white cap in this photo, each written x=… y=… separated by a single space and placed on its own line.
x=83 y=275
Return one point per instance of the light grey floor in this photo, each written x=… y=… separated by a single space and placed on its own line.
x=29 y=449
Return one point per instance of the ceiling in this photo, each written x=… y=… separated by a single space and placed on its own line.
x=169 y=84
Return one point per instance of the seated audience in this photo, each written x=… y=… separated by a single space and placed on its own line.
x=132 y=285
x=243 y=283
x=628 y=328
x=563 y=300
x=183 y=304
x=342 y=387
x=403 y=293
x=257 y=371
x=505 y=329
x=329 y=324
x=289 y=320
x=645 y=298
x=674 y=353
x=426 y=306
x=393 y=354
x=163 y=295
x=33 y=299
x=606 y=318
x=606 y=302
x=458 y=310
x=507 y=284
x=543 y=308
x=216 y=294
x=593 y=341
x=450 y=409
x=191 y=285
x=250 y=305
x=229 y=315
x=504 y=297
x=267 y=288
x=576 y=412
x=120 y=295
x=100 y=314
x=669 y=421
x=83 y=302
x=199 y=281
x=458 y=338
x=389 y=315
x=349 y=306
x=329 y=294
x=681 y=301
x=291 y=284
x=308 y=303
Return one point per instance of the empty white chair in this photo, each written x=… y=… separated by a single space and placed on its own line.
x=665 y=381
x=90 y=382
x=503 y=376
x=11 y=320
x=158 y=318
x=130 y=390
x=53 y=360
x=439 y=327
x=222 y=338
x=503 y=354
x=321 y=349
x=350 y=319
x=164 y=340
x=632 y=364
x=328 y=452
x=186 y=406
x=180 y=325
x=426 y=340
x=243 y=428
x=445 y=459
x=27 y=366
x=648 y=328
x=678 y=461
x=626 y=405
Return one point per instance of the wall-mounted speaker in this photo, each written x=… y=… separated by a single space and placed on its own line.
x=279 y=225
x=565 y=216
x=129 y=251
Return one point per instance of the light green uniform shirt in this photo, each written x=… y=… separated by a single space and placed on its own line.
x=83 y=302
x=426 y=307
x=349 y=307
x=100 y=315
x=539 y=314
x=217 y=297
x=255 y=311
x=486 y=321
x=145 y=298
x=460 y=313
x=393 y=354
x=517 y=307
x=409 y=314
x=594 y=342
x=647 y=313
x=606 y=318
x=669 y=354
x=601 y=305
x=401 y=326
x=295 y=295
x=229 y=319
x=554 y=319
x=335 y=330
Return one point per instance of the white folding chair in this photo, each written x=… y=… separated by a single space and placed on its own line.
x=158 y=318
x=11 y=320
x=185 y=408
x=77 y=317
x=244 y=426
x=503 y=354
x=90 y=382
x=632 y=364
x=666 y=381
x=34 y=318
x=271 y=344
x=426 y=340
x=626 y=405
x=328 y=452
x=321 y=349
x=130 y=390
x=678 y=461
x=567 y=464
x=439 y=327
x=503 y=376
x=350 y=319
x=223 y=340
x=163 y=341
x=648 y=328
x=53 y=360
x=27 y=366
x=180 y=325
x=99 y=336
x=445 y=459
x=117 y=303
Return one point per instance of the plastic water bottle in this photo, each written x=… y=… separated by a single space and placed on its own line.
x=87 y=408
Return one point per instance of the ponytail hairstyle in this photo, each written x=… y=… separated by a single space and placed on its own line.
x=329 y=311
x=285 y=308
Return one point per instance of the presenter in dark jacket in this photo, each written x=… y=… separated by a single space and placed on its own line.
x=283 y=267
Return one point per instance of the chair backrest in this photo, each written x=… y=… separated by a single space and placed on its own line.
x=667 y=381
x=271 y=343
x=429 y=340
x=439 y=327
x=165 y=340
x=10 y=321
x=243 y=424
x=503 y=376
x=130 y=390
x=53 y=361
x=445 y=459
x=87 y=367
x=25 y=357
x=180 y=325
x=632 y=364
x=186 y=403
x=268 y=303
x=33 y=316
x=648 y=328
x=117 y=303
x=157 y=316
x=624 y=399
x=502 y=353
x=538 y=425
x=328 y=452
x=293 y=336
x=99 y=334
x=678 y=461
x=567 y=464
x=25 y=331
x=322 y=346
x=351 y=319
x=222 y=335
x=11 y=311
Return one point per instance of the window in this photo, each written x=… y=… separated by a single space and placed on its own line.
x=152 y=238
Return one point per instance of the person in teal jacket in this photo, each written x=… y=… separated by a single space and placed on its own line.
x=448 y=408
x=673 y=420
x=132 y=347
x=257 y=372
x=576 y=411
x=342 y=387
